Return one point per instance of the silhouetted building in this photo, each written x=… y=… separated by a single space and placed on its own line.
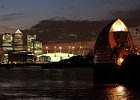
x=113 y=44
x=20 y=57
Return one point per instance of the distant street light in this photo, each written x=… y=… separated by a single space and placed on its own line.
x=47 y=49
x=55 y=49
x=80 y=50
x=69 y=49
x=73 y=49
x=60 y=48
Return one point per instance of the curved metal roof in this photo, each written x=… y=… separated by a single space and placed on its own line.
x=104 y=35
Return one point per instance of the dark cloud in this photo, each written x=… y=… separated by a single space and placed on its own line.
x=72 y=35
x=121 y=2
x=2 y=7
x=11 y=16
x=131 y=17
x=135 y=13
x=66 y=30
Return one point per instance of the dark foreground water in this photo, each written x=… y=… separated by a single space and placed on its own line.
x=46 y=84
x=59 y=84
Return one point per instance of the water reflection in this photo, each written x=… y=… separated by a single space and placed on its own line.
x=121 y=90
x=118 y=93
x=46 y=84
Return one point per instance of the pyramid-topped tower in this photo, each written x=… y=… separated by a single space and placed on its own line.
x=18 y=41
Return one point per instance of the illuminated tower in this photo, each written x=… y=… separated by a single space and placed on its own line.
x=18 y=42
x=113 y=44
x=7 y=45
x=37 y=44
x=30 y=40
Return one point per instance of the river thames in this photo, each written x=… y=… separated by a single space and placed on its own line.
x=59 y=84
x=46 y=84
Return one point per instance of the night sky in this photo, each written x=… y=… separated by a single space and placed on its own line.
x=23 y=14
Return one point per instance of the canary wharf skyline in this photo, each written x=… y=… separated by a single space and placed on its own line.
x=24 y=14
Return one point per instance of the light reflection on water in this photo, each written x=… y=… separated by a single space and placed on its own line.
x=59 y=84
x=116 y=92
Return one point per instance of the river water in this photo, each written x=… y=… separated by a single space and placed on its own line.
x=46 y=84
x=59 y=84
x=116 y=92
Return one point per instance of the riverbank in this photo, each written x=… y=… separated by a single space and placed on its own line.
x=47 y=65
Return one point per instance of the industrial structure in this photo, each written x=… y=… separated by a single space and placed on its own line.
x=113 y=44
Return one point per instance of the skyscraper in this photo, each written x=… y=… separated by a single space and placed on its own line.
x=30 y=42
x=18 y=41
x=7 y=45
x=37 y=47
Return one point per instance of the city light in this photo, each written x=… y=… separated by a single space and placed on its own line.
x=119 y=61
x=47 y=48
x=117 y=38
x=55 y=49
x=60 y=48
x=73 y=49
